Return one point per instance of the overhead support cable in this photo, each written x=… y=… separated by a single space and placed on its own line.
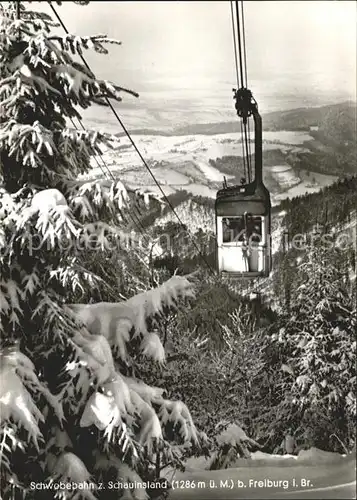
x=239 y=36
x=240 y=56
x=235 y=46
x=244 y=47
x=110 y=105
x=136 y=222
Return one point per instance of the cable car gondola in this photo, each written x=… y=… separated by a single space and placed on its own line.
x=243 y=212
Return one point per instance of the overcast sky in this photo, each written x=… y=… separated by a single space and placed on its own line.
x=193 y=40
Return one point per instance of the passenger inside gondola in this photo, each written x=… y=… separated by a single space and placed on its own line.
x=244 y=229
x=254 y=229
x=246 y=232
x=233 y=229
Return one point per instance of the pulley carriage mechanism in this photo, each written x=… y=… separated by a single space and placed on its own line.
x=243 y=212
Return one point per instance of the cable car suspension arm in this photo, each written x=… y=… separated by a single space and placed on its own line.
x=246 y=107
x=245 y=104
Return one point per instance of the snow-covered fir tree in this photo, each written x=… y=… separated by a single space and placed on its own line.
x=71 y=408
x=314 y=346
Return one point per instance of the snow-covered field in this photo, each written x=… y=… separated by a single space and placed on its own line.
x=211 y=173
x=308 y=184
x=304 y=482
x=285 y=176
x=311 y=474
x=182 y=162
x=160 y=147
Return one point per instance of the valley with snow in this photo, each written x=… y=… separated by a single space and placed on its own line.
x=182 y=162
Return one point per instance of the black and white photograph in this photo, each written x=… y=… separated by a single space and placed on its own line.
x=178 y=249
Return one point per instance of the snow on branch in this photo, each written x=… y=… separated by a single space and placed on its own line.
x=152 y=348
x=116 y=320
x=125 y=398
x=73 y=276
x=16 y=402
x=39 y=20
x=177 y=413
x=76 y=148
x=146 y=393
x=81 y=88
x=41 y=45
x=47 y=221
x=9 y=442
x=69 y=469
x=108 y=195
x=46 y=229
x=101 y=411
x=234 y=435
x=11 y=295
x=57 y=319
x=123 y=473
x=94 y=353
x=27 y=141
x=125 y=403
x=106 y=410
x=91 y=198
x=25 y=369
x=90 y=138
x=75 y=43
x=42 y=73
x=25 y=83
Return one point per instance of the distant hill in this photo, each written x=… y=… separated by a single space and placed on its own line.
x=299 y=119
x=303 y=118
x=332 y=149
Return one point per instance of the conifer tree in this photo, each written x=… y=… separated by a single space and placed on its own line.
x=315 y=348
x=71 y=409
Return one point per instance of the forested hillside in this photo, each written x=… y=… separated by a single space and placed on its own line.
x=313 y=290
x=328 y=118
x=332 y=207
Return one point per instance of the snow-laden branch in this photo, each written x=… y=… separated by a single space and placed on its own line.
x=17 y=372
x=115 y=321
